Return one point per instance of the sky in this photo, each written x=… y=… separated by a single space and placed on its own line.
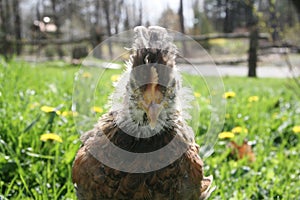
x=154 y=8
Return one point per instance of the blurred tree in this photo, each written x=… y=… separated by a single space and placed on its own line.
x=98 y=13
x=182 y=29
x=126 y=20
x=169 y=19
x=2 y=28
x=6 y=29
x=230 y=15
x=201 y=24
x=112 y=13
x=181 y=16
x=96 y=31
x=297 y=5
x=57 y=18
x=106 y=6
x=229 y=11
x=273 y=20
x=17 y=25
x=197 y=18
x=228 y=23
x=252 y=24
x=117 y=6
x=140 y=19
x=133 y=14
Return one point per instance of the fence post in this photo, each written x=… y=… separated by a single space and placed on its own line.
x=252 y=56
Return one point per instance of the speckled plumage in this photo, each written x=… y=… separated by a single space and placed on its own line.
x=181 y=179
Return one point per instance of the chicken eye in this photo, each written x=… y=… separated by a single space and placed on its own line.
x=162 y=88
x=172 y=96
x=170 y=91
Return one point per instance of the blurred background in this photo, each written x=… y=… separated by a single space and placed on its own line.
x=45 y=43
x=232 y=31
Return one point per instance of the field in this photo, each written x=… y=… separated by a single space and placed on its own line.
x=36 y=99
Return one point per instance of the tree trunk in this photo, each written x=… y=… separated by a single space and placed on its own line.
x=197 y=17
x=2 y=28
x=273 y=19
x=181 y=21
x=2 y=17
x=108 y=25
x=96 y=32
x=227 y=26
x=252 y=59
x=6 y=46
x=290 y=18
x=297 y=5
x=126 y=20
x=252 y=23
x=181 y=17
x=140 y=21
x=17 y=25
x=97 y=12
x=58 y=26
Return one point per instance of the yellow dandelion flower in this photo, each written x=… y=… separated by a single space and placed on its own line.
x=51 y=136
x=239 y=129
x=47 y=109
x=296 y=129
x=69 y=113
x=86 y=75
x=115 y=77
x=228 y=95
x=225 y=135
x=197 y=94
x=253 y=99
x=97 y=109
x=65 y=113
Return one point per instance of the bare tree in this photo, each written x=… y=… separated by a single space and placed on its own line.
x=2 y=18
x=126 y=20
x=254 y=33
x=297 y=5
x=181 y=17
x=169 y=19
x=140 y=21
x=106 y=6
x=273 y=20
x=117 y=9
x=17 y=25
x=6 y=29
x=181 y=21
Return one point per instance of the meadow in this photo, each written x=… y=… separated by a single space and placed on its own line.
x=38 y=137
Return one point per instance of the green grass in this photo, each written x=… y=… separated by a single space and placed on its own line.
x=34 y=169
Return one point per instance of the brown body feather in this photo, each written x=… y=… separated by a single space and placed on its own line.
x=180 y=180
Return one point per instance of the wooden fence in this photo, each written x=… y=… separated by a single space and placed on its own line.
x=78 y=44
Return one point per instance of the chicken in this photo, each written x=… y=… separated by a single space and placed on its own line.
x=143 y=147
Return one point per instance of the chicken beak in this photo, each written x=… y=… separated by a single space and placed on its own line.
x=152 y=104
x=153 y=112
